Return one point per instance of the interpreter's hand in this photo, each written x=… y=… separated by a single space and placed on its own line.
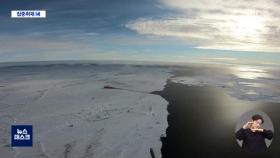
x=247 y=125
x=257 y=130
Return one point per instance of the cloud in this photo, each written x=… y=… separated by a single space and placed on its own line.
x=73 y=45
x=46 y=46
x=242 y=25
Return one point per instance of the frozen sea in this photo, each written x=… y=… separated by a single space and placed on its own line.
x=73 y=115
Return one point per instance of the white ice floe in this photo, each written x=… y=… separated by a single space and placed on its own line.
x=243 y=82
x=74 y=116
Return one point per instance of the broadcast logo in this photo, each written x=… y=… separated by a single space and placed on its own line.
x=21 y=136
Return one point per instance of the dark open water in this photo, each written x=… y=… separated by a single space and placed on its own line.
x=202 y=122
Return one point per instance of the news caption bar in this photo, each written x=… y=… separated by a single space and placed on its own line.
x=28 y=14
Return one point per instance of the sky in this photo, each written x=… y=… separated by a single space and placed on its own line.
x=160 y=30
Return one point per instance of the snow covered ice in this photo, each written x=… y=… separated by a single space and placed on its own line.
x=74 y=116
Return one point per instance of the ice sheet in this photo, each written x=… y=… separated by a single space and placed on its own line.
x=74 y=116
